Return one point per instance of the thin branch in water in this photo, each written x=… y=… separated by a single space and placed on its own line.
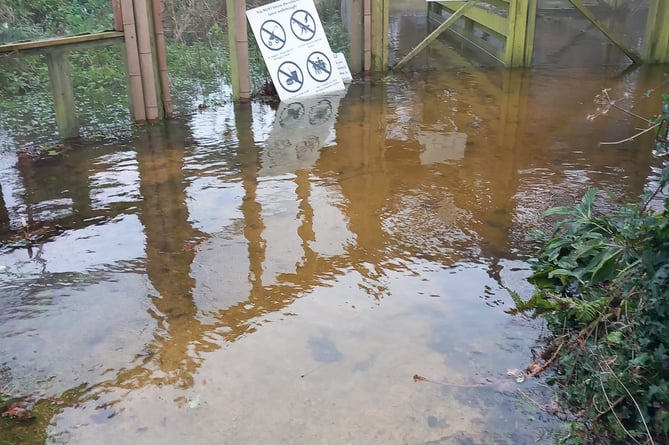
x=631 y=138
x=420 y=378
x=613 y=104
x=535 y=370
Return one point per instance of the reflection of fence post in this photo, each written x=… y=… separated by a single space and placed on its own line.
x=239 y=50
x=63 y=94
x=513 y=104
x=656 y=41
x=247 y=156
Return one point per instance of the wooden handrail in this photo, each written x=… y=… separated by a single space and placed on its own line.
x=37 y=45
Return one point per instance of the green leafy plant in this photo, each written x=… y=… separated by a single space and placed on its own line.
x=602 y=285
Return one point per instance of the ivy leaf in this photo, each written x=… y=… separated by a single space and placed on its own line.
x=615 y=337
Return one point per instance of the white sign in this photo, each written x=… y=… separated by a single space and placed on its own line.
x=295 y=48
x=342 y=66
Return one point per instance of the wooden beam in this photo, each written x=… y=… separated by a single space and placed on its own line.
x=147 y=67
x=529 y=35
x=35 y=45
x=379 y=29
x=162 y=57
x=352 y=17
x=656 y=41
x=520 y=36
x=367 y=26
x=436 y=33
x=586 y=12
x=63 y=94
x=132 y=62
x=482 y=17
x=239 y=50
x=118 y=16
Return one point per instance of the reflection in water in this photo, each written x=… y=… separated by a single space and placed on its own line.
x=213 y=284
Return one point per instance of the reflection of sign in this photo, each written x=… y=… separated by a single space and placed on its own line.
x=300 y=61
x=273 y=35
x=290 y=114
x=439 y=147
x=303 y=25
x=321 y=112
x=290 y=77
x=319 y=66
x=300 y=130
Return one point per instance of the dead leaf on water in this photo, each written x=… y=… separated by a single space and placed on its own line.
x=419 y=378
x=17 y=410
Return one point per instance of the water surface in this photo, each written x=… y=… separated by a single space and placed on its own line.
x=278 y=274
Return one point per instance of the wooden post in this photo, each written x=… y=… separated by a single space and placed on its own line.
x=147 y=67
x=380 y=29
x=132 y=62
x=520 y=35
x=162 y=57
x=656 y=41
x=367 y=39
x=239 y=50
x=352 y=17
x=118 y=15
x=63 y=94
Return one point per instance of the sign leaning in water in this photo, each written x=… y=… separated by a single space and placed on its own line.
x=295 y=48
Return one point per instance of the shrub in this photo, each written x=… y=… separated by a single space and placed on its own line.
x=602 y=284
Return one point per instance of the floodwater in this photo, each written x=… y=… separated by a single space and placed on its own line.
x=260 y=274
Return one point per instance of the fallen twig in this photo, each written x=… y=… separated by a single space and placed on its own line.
x=420 y=378
x=535 y=369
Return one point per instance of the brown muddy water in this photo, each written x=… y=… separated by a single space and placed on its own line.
x=262 y=275
x=278 y=274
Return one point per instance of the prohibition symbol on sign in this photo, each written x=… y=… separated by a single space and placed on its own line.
x=319 y=66
x=303 y=25
x=290 y=77
x=273 y=35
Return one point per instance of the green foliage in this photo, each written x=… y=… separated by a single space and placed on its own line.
x=22 y=19
x=337 y=35
x=602 y=283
